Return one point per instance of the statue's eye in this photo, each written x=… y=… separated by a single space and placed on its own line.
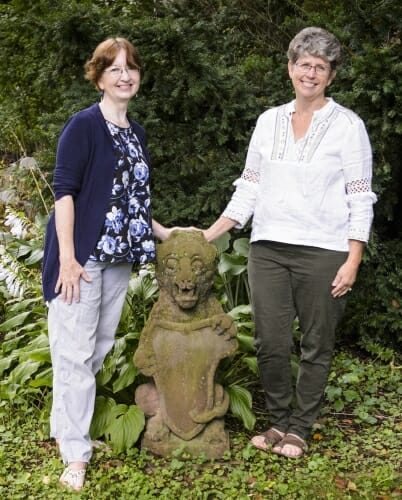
x=197 y=266
x=171 y=264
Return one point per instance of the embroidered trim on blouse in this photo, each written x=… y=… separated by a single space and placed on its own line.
x=251 y=176
x=309 y=145
x=358 y=186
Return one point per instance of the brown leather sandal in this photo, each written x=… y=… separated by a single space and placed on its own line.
x=270 y=438
x=292 y=440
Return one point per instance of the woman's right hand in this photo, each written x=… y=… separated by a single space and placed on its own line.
x=68 y=282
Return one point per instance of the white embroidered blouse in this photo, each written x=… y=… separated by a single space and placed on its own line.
x=316 y=191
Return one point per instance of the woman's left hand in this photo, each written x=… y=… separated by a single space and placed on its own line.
x=347 y=273
x=344 y=279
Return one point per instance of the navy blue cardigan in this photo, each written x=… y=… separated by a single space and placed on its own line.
x=85 y=164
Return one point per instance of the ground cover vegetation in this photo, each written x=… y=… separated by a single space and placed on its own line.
x=210 y=67
x=349 y=457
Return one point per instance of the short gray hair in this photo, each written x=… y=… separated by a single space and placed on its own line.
x=316 y=42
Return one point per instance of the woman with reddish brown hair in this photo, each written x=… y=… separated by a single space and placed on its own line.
x=101 y=226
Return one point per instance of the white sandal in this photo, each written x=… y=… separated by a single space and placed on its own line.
x=74 y=479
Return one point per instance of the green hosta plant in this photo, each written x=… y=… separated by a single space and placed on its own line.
x=25 y=364
x=119 y=377
x=20 y=254
x=231 y=283
x=237 y=373
x=24 y=355
x=120 y=424
x=116 y=418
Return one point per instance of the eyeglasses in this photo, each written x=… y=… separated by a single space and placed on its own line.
x=117 y=71
x=320 y=69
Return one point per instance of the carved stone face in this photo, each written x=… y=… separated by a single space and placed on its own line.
x=186 y=265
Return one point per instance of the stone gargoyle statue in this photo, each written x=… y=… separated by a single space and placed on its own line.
x=181 y=345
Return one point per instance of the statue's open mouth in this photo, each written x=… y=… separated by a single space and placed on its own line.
x=186 y=297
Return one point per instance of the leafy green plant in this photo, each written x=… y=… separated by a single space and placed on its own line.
x=231 y=283
x=345 y=460
x=377 y=300
x=25 y=364
x=207 y=68
x=120 y=424
x=21 y=253
x=116 y=418
x=353 y=389
x=24 y=355
x=238 y=372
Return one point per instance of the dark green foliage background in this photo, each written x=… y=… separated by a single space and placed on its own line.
x=210 y=68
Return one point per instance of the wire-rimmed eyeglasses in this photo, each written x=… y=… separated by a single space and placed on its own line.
x=320 y=69
x=117 y=71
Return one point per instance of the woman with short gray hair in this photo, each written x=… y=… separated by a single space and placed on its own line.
x=307 y=185
x=316 y=42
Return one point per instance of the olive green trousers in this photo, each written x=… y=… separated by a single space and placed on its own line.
x=288 y=282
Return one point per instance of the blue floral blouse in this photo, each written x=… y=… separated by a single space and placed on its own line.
x=127 y=232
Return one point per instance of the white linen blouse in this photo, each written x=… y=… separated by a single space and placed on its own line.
x=316 y=191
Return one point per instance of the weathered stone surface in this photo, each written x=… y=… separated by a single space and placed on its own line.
x=183 y=341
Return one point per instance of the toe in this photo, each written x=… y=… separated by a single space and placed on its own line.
x=259 y=442
x=291 y=451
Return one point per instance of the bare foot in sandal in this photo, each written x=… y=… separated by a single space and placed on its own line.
x=291 y=446
x=268 y=438
x=73 y=476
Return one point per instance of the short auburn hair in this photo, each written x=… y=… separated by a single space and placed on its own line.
x=104 y=55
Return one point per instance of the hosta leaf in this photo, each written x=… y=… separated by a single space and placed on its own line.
x=135 y=287
x=102 y=416
x=242 y=246
x=241 y=404
x=43 y=379
x=239 y=311
x=251 y=362
x=111 y=362
x=127 y=375
x=14 y=321
x=42 y=355
x=105 y=373
x=23 y=371
x=118 y=349
x=231 y=264
x=125 y=426
x=246 y=342
x=36 y=256
x=149 y=289
x=222 y=243
x=5 y=364
x=24 y=305
x=39 y=342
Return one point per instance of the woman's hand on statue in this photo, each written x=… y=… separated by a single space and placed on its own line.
x=178 y=228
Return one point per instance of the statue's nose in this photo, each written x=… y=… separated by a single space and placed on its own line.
x=185 y=285
x=184 y=277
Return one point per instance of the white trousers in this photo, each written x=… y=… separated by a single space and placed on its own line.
x=80 y=336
